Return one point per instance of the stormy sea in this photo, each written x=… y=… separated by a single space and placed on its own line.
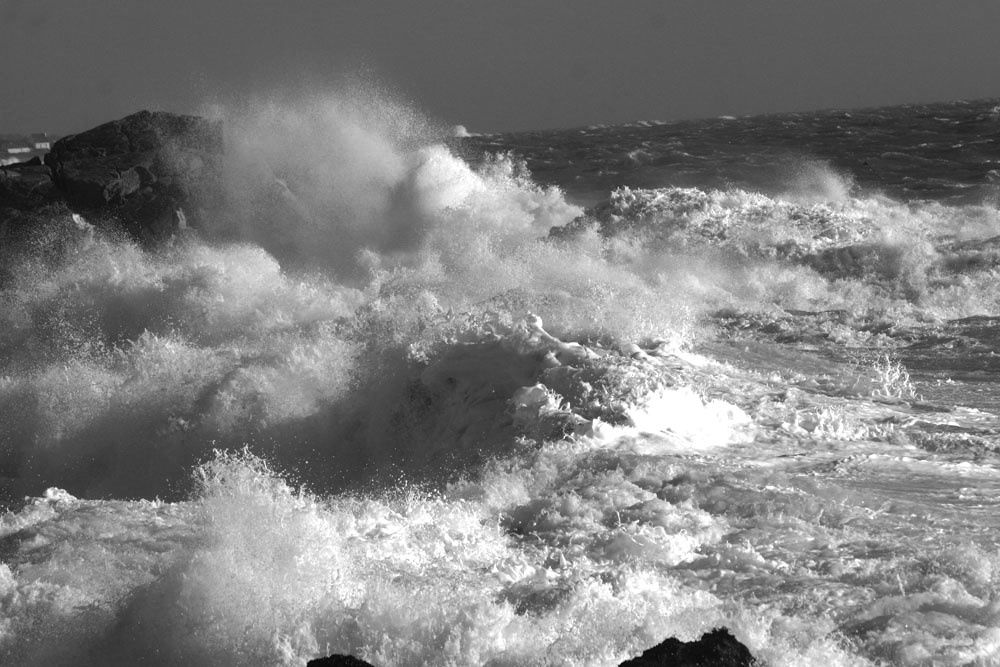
x=544 y=398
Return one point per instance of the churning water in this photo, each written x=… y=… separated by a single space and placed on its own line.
x=424 y=411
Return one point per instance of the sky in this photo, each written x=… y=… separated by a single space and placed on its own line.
x=493 y=65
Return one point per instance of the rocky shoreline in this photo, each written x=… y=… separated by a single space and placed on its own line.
x=151 y=174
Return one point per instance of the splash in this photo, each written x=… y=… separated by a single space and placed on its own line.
x=814 y=181
x=291 y=322
x=438 y=414
x=252 y=570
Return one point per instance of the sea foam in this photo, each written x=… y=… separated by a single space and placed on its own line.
x=382 y=408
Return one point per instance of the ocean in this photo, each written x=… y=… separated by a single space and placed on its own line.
x=544 y=398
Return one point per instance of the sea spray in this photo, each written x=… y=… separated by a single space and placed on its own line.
x=381 y=408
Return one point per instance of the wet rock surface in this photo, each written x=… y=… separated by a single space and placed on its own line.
x=152 y=173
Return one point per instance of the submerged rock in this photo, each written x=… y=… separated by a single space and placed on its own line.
x=338 y=661
x=717 y=648
x=151 y=172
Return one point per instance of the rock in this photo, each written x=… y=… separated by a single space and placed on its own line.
x=147 y=172
x=717 y=648
x=338 y=661
x=26 y=186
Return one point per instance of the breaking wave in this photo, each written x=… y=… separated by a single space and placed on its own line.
x=419 y=408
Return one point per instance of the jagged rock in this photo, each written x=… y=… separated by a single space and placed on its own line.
x=717 y=648
x=338 y=661
x=149 y=171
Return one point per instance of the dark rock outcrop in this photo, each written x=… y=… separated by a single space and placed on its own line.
x=151 y=172
x=26 y=186
x=338 y=661
x=717 y=648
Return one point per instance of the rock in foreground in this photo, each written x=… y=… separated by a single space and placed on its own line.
x=717 y=648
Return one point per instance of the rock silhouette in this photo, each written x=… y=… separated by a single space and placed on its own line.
x=338 y=661
x=717 y=648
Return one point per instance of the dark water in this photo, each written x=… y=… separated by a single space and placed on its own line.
x=442 y=415
x=945 y=152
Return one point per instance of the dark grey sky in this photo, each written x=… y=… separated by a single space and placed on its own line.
x=494 y=65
